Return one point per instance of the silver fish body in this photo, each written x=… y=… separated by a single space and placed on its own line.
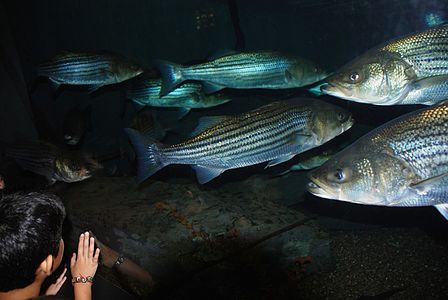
x=267 y=70
x=404 y=71
x=92 y=69
x=273 y=133
x=51 y=162
x=146 y=92
x=426 y=51
x=402 y=163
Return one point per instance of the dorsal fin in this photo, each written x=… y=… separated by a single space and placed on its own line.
x=207 y=122
x=222 y=53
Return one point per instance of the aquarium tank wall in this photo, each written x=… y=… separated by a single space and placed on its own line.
x=230 y=149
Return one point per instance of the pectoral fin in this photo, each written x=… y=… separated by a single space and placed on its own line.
x=299 y=139
x=93 y=88
x=430 y=184
x=205 y=174
x=182 y=112
x=54 y=84
x=288 y=76
x=443 y=209
x=279 y=160
x=209 y=87
x=430 y=90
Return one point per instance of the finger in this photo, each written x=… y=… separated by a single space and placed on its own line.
x=63 y=274
x=86 y=244
x=60 y=283
x=97 y=255
x=91 y=247
x=73 y=261
x=58 y=286
x=80 y=244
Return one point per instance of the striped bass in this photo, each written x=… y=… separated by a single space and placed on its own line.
x=409 y=70
x=146 y=92
x=273 y=133
x=92 y=69
x=402 y=163
x=53 y=163
x=267 y=70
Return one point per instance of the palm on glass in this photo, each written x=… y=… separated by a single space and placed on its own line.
x=85 y=262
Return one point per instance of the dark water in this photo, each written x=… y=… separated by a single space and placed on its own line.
x=357 y=250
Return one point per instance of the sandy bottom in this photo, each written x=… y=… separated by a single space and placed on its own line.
x=260 y=237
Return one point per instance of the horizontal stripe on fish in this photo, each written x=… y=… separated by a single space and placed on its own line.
x=401 y=163
x=244 y=70
x=274 y=132
x=89 y=69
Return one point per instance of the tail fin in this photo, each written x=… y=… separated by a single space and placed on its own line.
x=148 y=154
x=35 y=157
x=171 y=76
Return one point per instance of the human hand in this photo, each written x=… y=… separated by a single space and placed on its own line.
x=54 y=288
x=86 y=262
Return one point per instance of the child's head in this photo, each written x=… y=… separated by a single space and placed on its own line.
x=30 y=238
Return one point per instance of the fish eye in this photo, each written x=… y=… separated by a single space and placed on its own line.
x=339 y=175
x=354 y=77
x=341 y=116
x=67 y=137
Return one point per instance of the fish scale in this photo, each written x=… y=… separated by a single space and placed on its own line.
x=419 y=140
x=263 y=69
x=146 y=92
x=410 y=70
x=95 y=69
x=239 y=65
x=426 y=52
x=274 y=132
x=231 y=130
x=402 y=163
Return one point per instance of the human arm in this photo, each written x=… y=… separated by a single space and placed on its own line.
x=54 y=288
x=84 y=265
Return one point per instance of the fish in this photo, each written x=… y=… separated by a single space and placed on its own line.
x=146 y=92
x=53 y=163
x=272 y=133
x=309 y=163
x=243 y=70
x=403 y=163
x=147 y=124
x=75 y=124
x=92 y=69
x=409 y=70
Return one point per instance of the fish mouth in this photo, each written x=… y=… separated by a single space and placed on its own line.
x=318 y=189
x=350 y=122
x=337 y=91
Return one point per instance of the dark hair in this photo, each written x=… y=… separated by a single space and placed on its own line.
x=30 y=230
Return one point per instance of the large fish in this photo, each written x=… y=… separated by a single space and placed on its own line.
x=409 y=70
x=402 y=163
x=267 y=70
x=146 y=92
x=92 y=69
x=51 y=162
x=273 y=133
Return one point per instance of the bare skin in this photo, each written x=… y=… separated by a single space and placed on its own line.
x=128 y=267
x=44 y=270
x=84 y=264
